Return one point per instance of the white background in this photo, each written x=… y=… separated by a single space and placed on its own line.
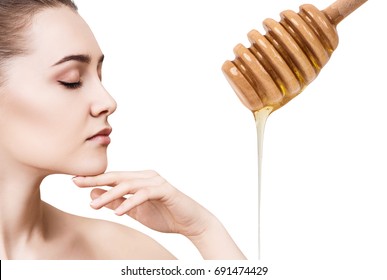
x=324 y=180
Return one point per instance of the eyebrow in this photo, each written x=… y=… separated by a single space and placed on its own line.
x=84 y=58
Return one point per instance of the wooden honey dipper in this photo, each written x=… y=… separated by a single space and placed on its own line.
x=279 y=65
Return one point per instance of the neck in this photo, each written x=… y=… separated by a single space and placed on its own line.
x=21 y=216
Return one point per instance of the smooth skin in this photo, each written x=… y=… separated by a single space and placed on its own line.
x=51 y=103
x=160 y=206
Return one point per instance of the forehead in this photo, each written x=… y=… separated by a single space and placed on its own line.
x=58 y=32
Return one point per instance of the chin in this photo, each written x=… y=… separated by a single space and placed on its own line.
x=91 y=172
x=90 y=168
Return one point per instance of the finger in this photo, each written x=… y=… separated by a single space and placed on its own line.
x=109 y=196
x=132 y=202
x=95 y=193
x=112 y=178
x=125 y=188
x=106 y=179
x=141 y=196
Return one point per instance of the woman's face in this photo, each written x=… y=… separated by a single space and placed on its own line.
x=52 y=102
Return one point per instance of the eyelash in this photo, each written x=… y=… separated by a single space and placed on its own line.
x=71 y=85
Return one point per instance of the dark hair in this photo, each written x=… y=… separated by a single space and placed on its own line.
x=15 y=16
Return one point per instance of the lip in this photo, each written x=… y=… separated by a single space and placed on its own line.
x=101 y=137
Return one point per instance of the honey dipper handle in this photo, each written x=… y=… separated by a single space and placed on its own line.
x=342 y=8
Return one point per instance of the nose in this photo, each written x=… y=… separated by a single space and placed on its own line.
x=103 y=103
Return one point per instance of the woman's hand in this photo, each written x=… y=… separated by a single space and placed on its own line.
x=148 y=198
x=151 y=200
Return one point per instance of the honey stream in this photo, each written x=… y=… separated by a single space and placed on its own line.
x=260 y=121
x=280 y=64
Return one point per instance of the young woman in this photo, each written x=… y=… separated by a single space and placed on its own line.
x=54 y=120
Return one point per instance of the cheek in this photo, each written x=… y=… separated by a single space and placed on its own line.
x=31 y=120
x=48 y=134
x=27 y=130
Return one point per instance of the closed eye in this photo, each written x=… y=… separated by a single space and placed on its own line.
x=71 y=85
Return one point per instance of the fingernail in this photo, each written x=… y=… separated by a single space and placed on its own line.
x=76 y=178
x=94 y=202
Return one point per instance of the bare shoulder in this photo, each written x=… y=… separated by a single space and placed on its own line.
x=108 y=240
x=117 y=241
